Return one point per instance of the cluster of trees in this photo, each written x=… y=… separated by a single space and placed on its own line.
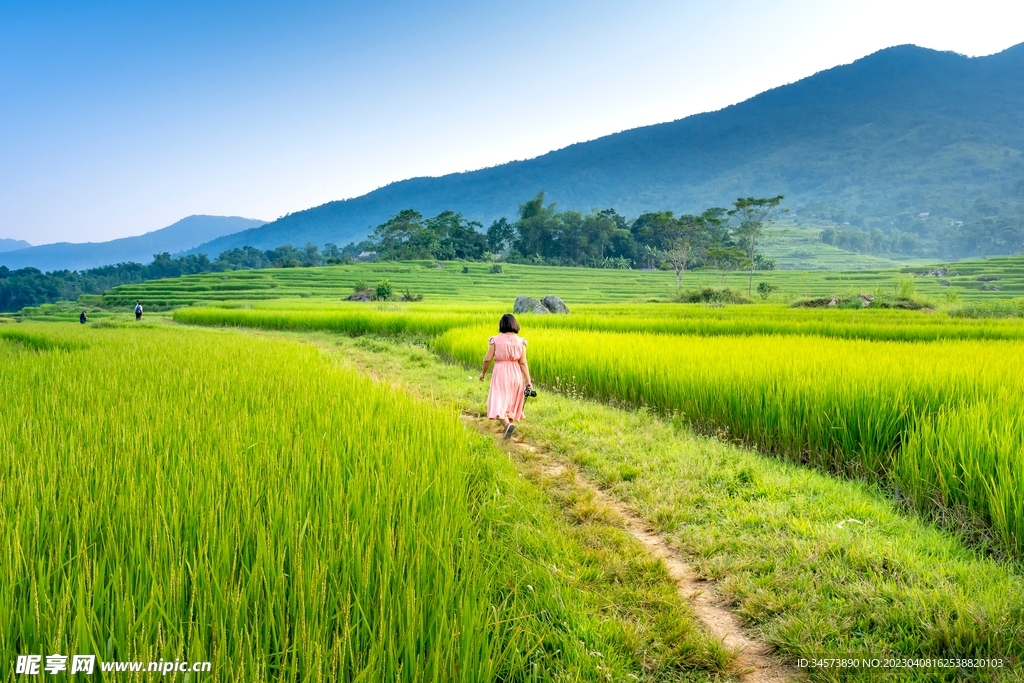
x=873 y=241
x=726 y=239
x=446 y=236
x=722 y=238
x=984 y=229
x=287 y=256
x=32 y=287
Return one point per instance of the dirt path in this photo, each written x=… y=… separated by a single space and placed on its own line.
x=755 y=662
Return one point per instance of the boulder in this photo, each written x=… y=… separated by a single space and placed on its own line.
x=364 y=296
x=526 y=304
x=554 y=304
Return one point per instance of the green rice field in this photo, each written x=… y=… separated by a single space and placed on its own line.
x=942 y=420
x=990 y=279
x=279 y=481
x=170 y=493
x=671 y=319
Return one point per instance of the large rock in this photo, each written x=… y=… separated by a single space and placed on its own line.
x=364 y=296
x=527 y=304
x=554 y=304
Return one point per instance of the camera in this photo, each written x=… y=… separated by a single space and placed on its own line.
x=528 y=393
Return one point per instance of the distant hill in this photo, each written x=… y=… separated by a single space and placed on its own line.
x=176 y=238
x=903 y=132
x=11 y=245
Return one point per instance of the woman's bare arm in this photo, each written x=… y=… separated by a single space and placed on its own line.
x=487 y=361
x=525 y=368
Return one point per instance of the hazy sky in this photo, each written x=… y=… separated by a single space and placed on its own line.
x=117 y=118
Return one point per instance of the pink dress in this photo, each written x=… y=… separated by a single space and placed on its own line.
x=506 y=397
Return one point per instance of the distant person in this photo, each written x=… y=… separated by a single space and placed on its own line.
x=138 y=310
x=511 y=375
x=83 y=318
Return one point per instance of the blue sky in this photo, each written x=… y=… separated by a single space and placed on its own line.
x=117 y=118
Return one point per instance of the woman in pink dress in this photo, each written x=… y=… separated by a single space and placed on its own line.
x=510 y=377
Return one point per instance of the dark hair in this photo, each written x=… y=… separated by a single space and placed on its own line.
x=508 y=324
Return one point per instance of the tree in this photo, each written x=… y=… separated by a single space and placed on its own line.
x=452 y=236
x=500 y=236
x=651 y=255
x=242 y=258
x=311 y=255
x=754 y=216
x=681 y=238
x=402 y=236
x=726 y=258
x=536 y=228
x=285 y=256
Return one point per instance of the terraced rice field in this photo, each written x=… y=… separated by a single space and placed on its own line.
x=246 y=499
x=670 y=319
x=577 y=285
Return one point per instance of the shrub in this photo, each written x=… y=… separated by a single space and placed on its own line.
x=384 y=291
x=465 y=269
x=496 y=268
x=360 y=286
x=411 y=296
x=1013 y=308
x=765 y=289
x=905 y=288
x=710 y=295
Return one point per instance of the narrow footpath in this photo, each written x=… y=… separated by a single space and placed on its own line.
x=756 y=663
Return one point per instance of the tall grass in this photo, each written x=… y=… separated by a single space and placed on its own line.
x=777 y=320
x=843 y=405
x=354 y=320
x=203 y=495
x=432 y=319
x=971 y=457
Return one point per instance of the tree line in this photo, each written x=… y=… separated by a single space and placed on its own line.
x=983 y=229
x=31 y=287
x=721 y=238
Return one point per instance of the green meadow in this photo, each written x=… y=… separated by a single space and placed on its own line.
x=269 y=477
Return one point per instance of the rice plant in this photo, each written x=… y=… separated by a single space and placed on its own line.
x=432 y=319
x=203 y=495
x=940 y=419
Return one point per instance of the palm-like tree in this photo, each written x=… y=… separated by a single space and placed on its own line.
x=651 y=255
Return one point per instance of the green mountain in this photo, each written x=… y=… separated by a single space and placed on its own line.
x=183 y=235
x=924 y=143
